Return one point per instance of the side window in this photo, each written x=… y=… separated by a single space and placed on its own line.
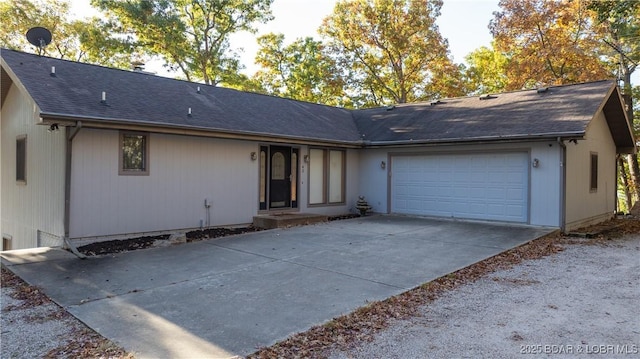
x=594 y=172
x=134 y=153
x=326 y=176
x=21 y=159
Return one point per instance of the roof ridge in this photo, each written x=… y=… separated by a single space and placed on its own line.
x=445 y=99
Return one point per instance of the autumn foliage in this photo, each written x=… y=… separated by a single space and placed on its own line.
x=550 y=42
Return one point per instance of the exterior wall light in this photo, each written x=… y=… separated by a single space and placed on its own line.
x=254 y=156
x=383 y=165
x=306 y=158
x=535 y=163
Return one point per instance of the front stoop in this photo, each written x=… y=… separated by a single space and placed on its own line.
x=270 y=221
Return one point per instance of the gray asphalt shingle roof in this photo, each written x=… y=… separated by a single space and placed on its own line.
x=136 y=97
x=139 y=98
x=560 y=110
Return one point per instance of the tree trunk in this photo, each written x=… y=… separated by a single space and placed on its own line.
x=634 y=175
x=632 y=159
x=625 y=184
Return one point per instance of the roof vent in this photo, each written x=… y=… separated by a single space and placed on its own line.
x=137 y=66
x=487 y=97
x=436 y=102
x=542 y=90
x=390 y=107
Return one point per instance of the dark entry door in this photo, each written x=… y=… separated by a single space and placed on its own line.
x=280 y=177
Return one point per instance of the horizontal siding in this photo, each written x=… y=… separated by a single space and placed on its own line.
x=38 y=205
x=183 y=171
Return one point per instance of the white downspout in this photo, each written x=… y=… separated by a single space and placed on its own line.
x=71 y=133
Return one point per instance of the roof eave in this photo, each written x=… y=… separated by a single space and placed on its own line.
x=124 y=124
x=554 y=136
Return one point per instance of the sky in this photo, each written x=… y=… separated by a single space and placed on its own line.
x=463 y=22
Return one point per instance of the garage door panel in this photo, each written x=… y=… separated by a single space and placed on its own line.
x=491 y=186
x=515 y=195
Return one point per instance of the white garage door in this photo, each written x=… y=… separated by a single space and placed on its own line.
x=490 y=186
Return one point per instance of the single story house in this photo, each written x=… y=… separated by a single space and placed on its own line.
x=90 y=152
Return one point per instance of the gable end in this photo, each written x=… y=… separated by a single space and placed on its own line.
x=618 y=123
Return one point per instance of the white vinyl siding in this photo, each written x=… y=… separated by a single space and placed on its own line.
x=488 y=186
x=185 y=170
x=36 y=210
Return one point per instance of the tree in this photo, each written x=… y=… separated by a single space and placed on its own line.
x=192 y=36
x=486 y=72
x=77 y=40
x=300 y=71
x=548 y=42
x=391 y=50
x=621 y=20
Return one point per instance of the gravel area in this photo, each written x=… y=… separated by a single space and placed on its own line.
x=581 y=302
x=35 y=327
x=33 y=332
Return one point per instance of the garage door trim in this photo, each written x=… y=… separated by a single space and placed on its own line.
x=522 y=205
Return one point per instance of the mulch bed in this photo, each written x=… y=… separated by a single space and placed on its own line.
x=119 y=245
x=125 y=245
x=344 y=216
x=219 y=232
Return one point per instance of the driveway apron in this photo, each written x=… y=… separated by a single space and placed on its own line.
x=228 y=297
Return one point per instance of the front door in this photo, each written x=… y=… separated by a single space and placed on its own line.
x=280 y=177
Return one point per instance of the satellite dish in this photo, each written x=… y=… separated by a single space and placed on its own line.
x=39 y=37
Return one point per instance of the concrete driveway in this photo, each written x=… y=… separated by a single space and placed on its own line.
x=230 y=296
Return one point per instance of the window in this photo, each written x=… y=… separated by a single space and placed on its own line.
x=134 y=153
x=594 y=172
x=263 y=177
x=21 y=159
x=6 y=242
x=326 y=176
